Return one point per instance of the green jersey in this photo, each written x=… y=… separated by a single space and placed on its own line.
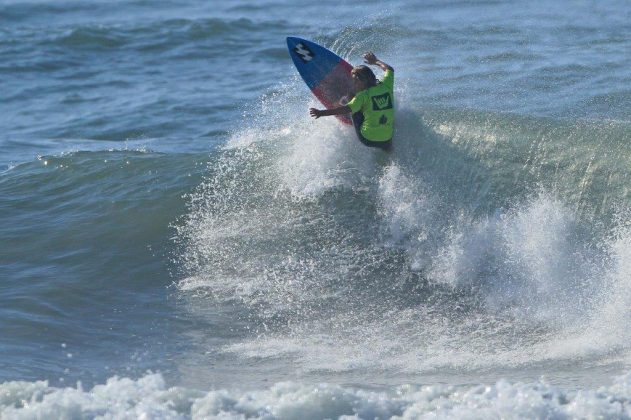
x=377 y=105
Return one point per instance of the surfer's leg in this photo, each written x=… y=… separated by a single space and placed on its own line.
x=384 y=145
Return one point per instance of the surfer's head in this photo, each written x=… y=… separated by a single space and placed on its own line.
x=363 y=77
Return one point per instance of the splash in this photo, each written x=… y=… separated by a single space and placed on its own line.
x=467 y=248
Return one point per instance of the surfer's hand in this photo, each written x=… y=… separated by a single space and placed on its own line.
x=370 y=58
x=315 y=113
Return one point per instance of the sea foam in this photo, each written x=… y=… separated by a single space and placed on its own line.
x=149 y=397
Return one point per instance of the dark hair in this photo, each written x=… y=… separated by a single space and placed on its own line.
x=365 y=74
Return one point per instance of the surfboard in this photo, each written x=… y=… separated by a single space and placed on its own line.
x=325 y=73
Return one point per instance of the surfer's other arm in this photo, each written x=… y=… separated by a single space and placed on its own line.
x=371 y=58
x=340 y=110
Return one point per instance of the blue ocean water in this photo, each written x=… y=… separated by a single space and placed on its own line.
x=179 y=239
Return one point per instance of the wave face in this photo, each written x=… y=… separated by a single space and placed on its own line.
x=85 y=286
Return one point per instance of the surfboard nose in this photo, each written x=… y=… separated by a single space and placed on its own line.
x=325 y=73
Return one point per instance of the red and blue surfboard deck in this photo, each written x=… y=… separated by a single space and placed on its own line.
x=325 y=73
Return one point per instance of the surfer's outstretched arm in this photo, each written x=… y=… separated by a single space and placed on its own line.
x=371 y=58
x=340 y=110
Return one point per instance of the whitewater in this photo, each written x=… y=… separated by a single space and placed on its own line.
x=181 y=240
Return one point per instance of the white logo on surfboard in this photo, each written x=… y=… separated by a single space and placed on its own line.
x=303 y=52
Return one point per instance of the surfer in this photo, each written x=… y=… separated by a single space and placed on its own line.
x=372 y=106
